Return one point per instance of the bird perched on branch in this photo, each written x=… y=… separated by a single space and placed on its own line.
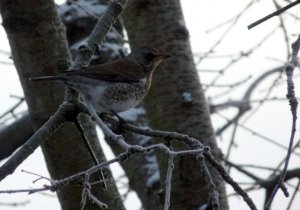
x=113 y=87
x=116 y=86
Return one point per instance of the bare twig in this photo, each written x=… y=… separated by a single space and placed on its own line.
x=6 y=63
x=229 y=180
x=230 y=85
x=15 y=204
x=213 y=194
x=296 y=146
x=111 y=135
x=196 y=149
x=293 y=196
x=293 y=104
x=239 y=58
x=232 y=140
x=168 y=183
x=284 y=30
x=13 y=108
x=39 y=176
x=95 y=16
x=233 y=21
x=194 y=144
x=92 y=154
x=267 y=94
x=98 y=35
x=261 y=136
x=278 y=12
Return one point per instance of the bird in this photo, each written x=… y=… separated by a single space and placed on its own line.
x=115 y=86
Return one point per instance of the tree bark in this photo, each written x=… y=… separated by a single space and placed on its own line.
x=39 y=47
x=160 y=24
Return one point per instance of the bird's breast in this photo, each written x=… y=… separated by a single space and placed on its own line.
x=122 y=96
x=125 y=91
x=107 y=96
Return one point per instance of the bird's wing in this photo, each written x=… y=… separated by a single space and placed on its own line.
x=122 y=70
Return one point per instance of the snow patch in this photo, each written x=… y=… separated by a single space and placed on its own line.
x=152 y=169
x=203 y=207
x=133 y=113
x=187 y=97
x=154 y=178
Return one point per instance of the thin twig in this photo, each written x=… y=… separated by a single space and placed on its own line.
x=293 y=105
x=92 y=154
x=196 y=149
x=229 y=180
x=293 y=196
x=194 y=144
x=168 y=183
x=278 y=12
x=239 y=58
x=12 y=109
x=15 y=204
x=95 y=16
x=117 y=138
x=213 y=194
x=261 y=136
x=232 y=22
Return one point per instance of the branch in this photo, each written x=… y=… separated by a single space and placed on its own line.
x=98 y=35
x=278 y=12
x=13 y=108
x=194 y=144
x=40 y=136
x=67 y=111
x=245 y=100
x=168 y=183
x=197 y=149
x=229 y=180
x=132 y=150
x=214 y=195
x=293 y=104
x=117 y=138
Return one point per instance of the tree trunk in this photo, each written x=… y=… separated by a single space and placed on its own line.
x=176 y=101
x=39 y=47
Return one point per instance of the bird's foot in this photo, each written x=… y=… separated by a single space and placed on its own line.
x=119 y=125
x=121 y=120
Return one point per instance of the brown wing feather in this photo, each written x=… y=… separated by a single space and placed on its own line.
x=122 y=70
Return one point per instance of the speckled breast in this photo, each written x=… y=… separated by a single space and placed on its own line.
x=122 y=96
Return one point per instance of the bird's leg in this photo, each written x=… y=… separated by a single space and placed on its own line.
x=118 y=126
x=121 y=120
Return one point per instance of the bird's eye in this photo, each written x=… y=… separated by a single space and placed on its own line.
x=149 y=56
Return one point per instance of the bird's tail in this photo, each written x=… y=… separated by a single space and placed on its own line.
x=49 y=78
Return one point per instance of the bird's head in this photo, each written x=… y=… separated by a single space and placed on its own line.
x=147 y=57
